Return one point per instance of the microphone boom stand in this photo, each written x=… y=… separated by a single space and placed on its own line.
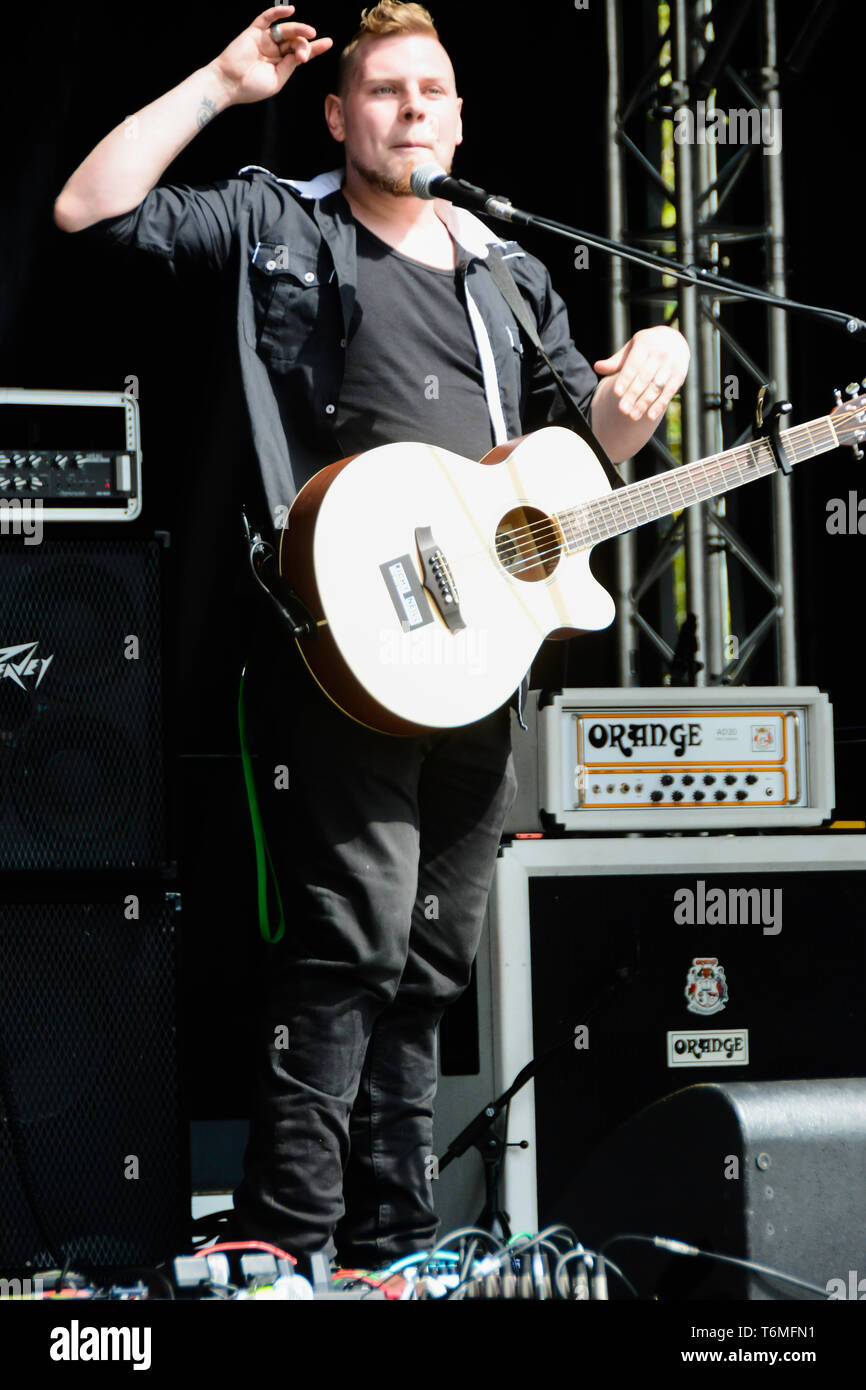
x=496 y=206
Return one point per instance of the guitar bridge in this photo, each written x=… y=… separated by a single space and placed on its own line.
x=438 y=579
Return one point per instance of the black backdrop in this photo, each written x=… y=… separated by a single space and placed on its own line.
x=533 y=82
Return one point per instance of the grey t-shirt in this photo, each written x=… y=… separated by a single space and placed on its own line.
x=412 y=369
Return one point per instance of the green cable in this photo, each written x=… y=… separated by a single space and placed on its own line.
x=262 y=851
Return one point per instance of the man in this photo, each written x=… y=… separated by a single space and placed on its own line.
x=351 y=293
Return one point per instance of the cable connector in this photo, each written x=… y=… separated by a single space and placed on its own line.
x=599 y=1279
x=263 y=565
x=676 y=1247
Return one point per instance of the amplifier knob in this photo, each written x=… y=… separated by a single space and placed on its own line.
x=656 y=796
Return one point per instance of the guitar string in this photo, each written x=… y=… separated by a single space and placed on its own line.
x=741 y=455
x=657 y=488
x=757 y=455
x=572 y=537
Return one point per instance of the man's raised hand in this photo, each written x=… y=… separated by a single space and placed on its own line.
x=260 y=61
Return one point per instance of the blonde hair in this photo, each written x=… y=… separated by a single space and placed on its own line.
x=383 y=20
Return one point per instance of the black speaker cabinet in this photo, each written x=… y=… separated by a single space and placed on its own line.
x=773 y=1172
x=93 y=1153
x=81 y=728
x=635 y=968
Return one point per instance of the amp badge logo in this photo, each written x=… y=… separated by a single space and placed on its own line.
x=706 y=987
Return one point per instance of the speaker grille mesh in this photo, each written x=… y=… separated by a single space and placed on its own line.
x=81 y=783
x=88 y=1084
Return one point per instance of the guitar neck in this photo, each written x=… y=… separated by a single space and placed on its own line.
x=637 y=503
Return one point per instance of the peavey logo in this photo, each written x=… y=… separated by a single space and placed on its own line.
x=628 y=737
x=21 y=663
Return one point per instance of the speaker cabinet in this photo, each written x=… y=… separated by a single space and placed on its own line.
x=93 y=1165
x=81 y=780
x=774 y=1172
x=635 y=968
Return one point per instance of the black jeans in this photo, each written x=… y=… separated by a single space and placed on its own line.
x=384 y=849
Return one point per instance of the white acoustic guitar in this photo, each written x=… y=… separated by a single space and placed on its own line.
x=434 y=579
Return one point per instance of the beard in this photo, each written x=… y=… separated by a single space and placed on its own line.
x=398 y=185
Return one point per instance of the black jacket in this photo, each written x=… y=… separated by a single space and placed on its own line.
x=290 y=249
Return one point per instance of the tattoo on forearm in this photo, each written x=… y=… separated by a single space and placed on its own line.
x=206 y=113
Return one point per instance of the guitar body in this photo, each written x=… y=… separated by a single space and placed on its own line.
x=391 y=650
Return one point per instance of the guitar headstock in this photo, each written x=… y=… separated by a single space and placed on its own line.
x=849 y=417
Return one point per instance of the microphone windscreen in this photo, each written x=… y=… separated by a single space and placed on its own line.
x=421 y=178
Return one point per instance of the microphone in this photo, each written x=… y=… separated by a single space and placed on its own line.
x=431 y=181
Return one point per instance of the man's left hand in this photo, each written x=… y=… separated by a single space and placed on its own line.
x=649 y=371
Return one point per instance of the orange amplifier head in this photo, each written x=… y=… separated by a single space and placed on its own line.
x=674 y=758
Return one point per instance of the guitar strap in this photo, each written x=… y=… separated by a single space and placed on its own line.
x=507 y=286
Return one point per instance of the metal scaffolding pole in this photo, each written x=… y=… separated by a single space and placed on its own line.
x=689 y=63
x=688 y=297
x=626 y=558
x=783 y=520
x=712 y=434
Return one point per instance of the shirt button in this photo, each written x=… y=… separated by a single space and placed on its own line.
x=270 y=265
x=329 y=409
x=342 y=342
x=309 y=277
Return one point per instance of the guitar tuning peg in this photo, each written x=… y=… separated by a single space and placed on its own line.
x=857 y=451
x=838 y=394
x=852 y=388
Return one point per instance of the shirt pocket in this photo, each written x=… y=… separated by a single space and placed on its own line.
x=285 y=286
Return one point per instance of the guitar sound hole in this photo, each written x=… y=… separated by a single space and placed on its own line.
x=528 y=544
